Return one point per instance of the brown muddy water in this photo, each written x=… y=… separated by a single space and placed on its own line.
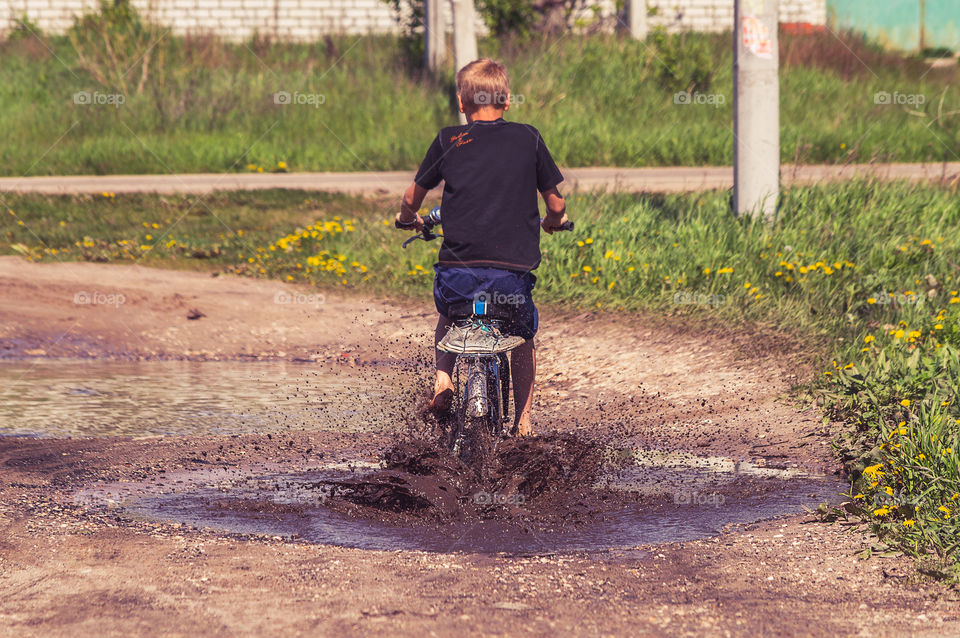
x=64 y=397
x=688 y=505
x=554 y=493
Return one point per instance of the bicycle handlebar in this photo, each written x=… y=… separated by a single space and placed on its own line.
x=432 y=219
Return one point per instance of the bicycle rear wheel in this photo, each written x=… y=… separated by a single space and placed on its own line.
x=479 y=419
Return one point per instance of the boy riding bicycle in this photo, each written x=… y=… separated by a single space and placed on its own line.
x=492 y=170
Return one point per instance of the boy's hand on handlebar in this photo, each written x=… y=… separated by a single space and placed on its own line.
x=415 y=224
x=550 y=223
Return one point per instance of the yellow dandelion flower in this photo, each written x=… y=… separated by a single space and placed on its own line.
x=873 y=470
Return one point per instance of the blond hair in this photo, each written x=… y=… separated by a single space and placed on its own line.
x=483 y=82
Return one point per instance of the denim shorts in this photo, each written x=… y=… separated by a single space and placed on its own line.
x=505 y=288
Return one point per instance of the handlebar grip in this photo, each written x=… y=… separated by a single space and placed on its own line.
x=564 y=226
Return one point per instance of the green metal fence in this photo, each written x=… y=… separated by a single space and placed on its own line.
x=901 y=24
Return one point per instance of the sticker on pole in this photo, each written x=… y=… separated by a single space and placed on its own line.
x=756 y=38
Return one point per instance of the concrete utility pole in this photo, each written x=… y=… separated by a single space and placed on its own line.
x=756 y=107
x=464 y=38
x=637 y=16
x=434 y=36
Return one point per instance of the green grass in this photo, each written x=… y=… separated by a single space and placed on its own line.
x=865 y=273
x=206 y=105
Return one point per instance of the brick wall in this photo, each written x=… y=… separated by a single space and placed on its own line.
x=717 y=15
x=309 y=19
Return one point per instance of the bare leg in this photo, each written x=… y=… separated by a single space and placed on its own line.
x=445 y=360
x=523 y=360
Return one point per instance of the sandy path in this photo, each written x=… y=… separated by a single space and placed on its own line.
x=710 y=391
x=656 y=179
x=63 y=572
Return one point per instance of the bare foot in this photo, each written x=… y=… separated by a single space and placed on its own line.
x=441 y=402
x=524 y=429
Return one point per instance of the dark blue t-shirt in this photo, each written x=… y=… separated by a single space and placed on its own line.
x=492 y=171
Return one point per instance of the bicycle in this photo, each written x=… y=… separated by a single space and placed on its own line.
x=477 y=336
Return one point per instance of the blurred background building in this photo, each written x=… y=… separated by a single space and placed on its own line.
x=903 y=24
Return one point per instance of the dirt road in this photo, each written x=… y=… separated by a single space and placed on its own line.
x=68 y=571
x=656 y=179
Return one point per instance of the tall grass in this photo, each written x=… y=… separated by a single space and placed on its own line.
x=201 y=104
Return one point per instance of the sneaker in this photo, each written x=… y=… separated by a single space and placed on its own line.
x=477 y=338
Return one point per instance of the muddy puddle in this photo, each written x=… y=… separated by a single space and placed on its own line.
x=552 y=493
x=654 y=498
x=62 y=397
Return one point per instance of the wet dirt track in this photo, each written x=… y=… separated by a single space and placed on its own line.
x=70 y=569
